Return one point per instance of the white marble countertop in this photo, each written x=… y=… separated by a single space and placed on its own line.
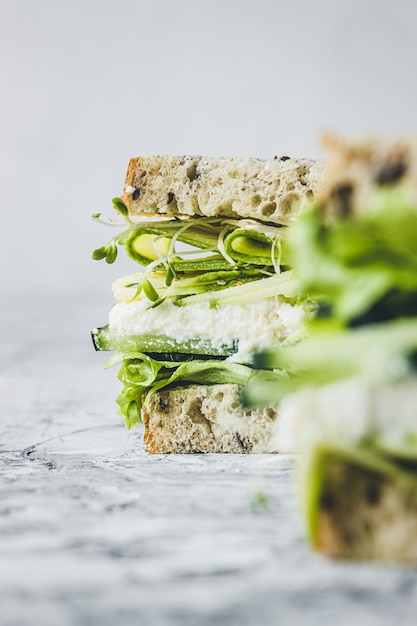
x=94 y=531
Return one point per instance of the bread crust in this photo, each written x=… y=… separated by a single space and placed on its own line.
x=364 y=515
x=207 y=418
x=355 y=167
x=268 y=190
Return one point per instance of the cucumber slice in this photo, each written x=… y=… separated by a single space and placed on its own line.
x=106 y=340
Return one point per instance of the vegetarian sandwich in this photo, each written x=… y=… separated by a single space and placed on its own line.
x=350 y=400
x=210 y=285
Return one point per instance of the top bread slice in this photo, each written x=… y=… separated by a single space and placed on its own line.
x=268 y=190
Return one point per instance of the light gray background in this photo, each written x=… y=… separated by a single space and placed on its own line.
x=86 y=84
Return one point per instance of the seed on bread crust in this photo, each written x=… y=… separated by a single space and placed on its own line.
x=342 y=198
x=390 y=172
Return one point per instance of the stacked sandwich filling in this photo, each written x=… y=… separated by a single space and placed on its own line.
x=225 y=328
x=212 y=291
x=351 y=396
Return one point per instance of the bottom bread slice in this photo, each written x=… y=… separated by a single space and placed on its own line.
x=207 y=418
x=364 y=515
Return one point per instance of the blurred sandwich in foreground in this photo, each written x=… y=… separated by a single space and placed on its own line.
x=349 y=405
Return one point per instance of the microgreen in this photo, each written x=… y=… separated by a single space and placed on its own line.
x=182 y=257
x=99 y=254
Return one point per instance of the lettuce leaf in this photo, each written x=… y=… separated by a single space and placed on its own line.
x=143 y=375
x=361 y=270
x=377 y=353
x=352 y=264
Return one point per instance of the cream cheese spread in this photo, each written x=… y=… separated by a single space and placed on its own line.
x=347 y=411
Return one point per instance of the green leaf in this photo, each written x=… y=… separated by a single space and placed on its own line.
x=374 y=352
x=156 y=303
x=170 y=275
x=99 y=253
x=111 y=253
x=120 y=206
x=142 y=375
x=260 y=499
x=149 y=291
x=353 y=264
x=133 y=414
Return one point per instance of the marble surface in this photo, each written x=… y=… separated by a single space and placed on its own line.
x=94 y=531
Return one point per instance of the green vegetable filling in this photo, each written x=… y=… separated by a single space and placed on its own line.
x=104 y=339
x=142 y=375
x=362 y=272
x=362 y=268
x=218 y=261
x=194 y=255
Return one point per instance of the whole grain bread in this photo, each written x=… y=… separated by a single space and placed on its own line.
x=268 y=190
x=357 y=463
x=364 y=515
x=354 y=167
x=207 y=418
